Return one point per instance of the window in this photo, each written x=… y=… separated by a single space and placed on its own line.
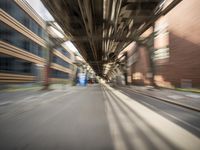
x=16 y=12
x=61 y=62
x=64 y=52
x=11 y=36
x=26 y=45
x=59 y=74
x=14 y=65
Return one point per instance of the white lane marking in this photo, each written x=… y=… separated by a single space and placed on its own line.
x=177 y=135
x=28 y=107
x=57 y=97
x=193 y=95
x=44 y=94
x=30 y=97
x=34 y=98
x=175 y=96
x=26 y=99
x=5 y=103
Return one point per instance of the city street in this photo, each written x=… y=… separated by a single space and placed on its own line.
x=187 y=118
x=96 y=117
x=99 y=75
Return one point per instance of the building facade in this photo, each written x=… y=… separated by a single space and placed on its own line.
x=171 y=52
x=22 y=43
x=61 y=69
x=24 y=49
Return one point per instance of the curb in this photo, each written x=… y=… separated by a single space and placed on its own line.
x=166 y=100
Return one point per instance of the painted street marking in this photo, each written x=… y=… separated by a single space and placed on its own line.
x=193 y=95
x=44 y=94
x=5 y=103
x=175 y=96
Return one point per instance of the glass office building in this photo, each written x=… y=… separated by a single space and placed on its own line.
x=61 y=64
x=23 y=47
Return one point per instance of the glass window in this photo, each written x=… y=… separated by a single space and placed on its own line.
x=11 y=36
x=16 y=12
x=60 y=61
x=64 y=52
x=59 y=74
x=10 y=64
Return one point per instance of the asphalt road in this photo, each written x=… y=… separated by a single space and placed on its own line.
x=93 y=118
x=55 y=120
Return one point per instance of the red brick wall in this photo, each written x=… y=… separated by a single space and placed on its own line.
x=141 y=67
x=183 y=40
x=184 y=44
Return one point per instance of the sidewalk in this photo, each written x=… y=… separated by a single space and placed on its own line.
x=186 y=99
x=20 y=87
x=33 y=87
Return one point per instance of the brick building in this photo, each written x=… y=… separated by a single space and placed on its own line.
x=173 y=53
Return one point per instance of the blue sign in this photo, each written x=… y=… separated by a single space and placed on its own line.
x=82 y=79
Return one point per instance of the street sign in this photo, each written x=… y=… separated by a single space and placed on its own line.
x=82 y=79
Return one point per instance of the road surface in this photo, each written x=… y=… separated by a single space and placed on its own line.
x=95 y=117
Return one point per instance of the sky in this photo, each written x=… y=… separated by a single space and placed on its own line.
x=40 y=9
x=43 y=12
